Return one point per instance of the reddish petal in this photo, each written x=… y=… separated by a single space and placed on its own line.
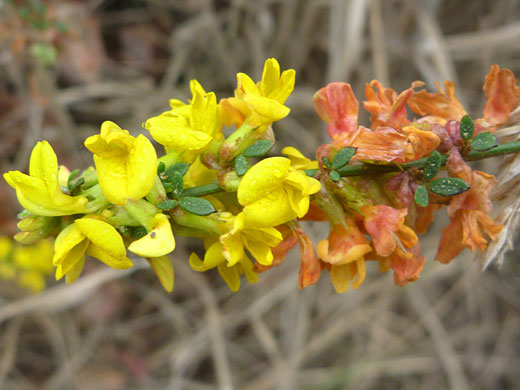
x=407 y=266
x=383 y=144
x=310 y=268
x=381 y=222
x=440 y=104
x=502 y=95
x=337 y=105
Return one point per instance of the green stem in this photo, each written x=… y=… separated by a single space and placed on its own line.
x=370 y=169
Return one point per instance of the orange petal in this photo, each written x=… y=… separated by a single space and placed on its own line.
x=337 y=106
x=439 y=104
x=502 y=95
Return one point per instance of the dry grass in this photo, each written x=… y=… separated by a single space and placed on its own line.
x=455 y=328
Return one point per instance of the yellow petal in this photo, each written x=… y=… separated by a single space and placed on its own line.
x=232 y=247
x=116 y=262
x=112 y=178
x=75 y=271
x=158 y=242
x=340 y=277
x=272 y=210
x=247 y=266
x=299 y=203
x=270 y=76
x=102 y=235
x=68 y=238
x=141 y=168
x=262 y=179
x=285 y=86
x=173 y=131
x=260 y=251
x=231 y=276
x=268 y=108
x=298 y=160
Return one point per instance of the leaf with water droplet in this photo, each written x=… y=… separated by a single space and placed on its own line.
x=161 y=168
x=335 y=176
x=466 y=127
x=167 y=204
x=483 y=141
x=198 y=206
x=241 y=165
x=448 y=186
x=175 y=178
x=181 y=167
x=343 y=157
x=421 y=196
x=259 y=148
x=433 y=164
x=326 y=162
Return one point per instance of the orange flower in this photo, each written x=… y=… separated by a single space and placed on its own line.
x=345 y=244
x=406 y=264
x=337 y=106
x=387 y=229
x=310 y=266
x=468 y=212
x=502 y=95
x=438 y=107
x=387 y=108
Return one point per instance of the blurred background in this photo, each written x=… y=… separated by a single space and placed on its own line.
x=66 y=66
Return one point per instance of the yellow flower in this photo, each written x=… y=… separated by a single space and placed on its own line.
x=93 y=237
x=262 y=102
x=126 y=166
x=214 y=257
x=187 y=127
x=273 y=192
x=158 y=242
x=258 y=241
x=36 y=257
x=39 y=192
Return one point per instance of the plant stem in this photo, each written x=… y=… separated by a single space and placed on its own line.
x=374 y=169
x=368 y=169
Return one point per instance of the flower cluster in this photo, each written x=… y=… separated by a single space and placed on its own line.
x=378 y=186
x=26 y=265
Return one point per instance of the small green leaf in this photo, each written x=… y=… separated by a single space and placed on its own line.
x=241 y=165
x=466 y=127
x=483 y=141
x=182 y=168
x=433 y=164
x=167 y=204
x=448 y=186
x=175 y=178
x=335 y=176
x=343 y=157
x=160 y=168
x=421 y=196
x=198 y=206
x=259 y=148
x=326 y=162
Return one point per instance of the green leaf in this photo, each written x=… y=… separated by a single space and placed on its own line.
x=448 y=186
x=466 y=127
x=335 y=176
x=175 y=178
x=433 y=164
x=421 y=196
x=181 y=168
x=241 y=165
x=326 y=162
x=259 y=148
x=343 y=157
x=198 y=206
x=483 y=141
x=161 y=168
x=167 y=204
